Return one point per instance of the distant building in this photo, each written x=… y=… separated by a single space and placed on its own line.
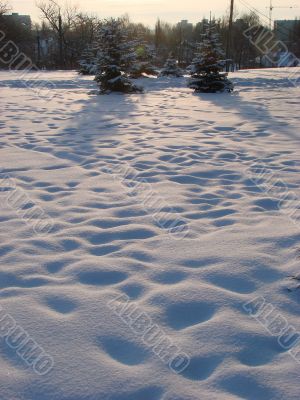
x=185 y=25
x=283 y=29
x=20 y=19
x=186 y=29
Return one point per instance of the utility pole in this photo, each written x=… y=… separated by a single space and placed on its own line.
x=38 y=41
x=229 y=37
x=60 y=35
x=270 y=14
x=180 y=44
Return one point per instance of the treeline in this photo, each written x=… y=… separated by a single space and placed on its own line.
x=65 y=32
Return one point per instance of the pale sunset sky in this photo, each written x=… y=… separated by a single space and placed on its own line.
x=147 y=11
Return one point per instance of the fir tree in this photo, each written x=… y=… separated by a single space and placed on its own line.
x=88 y=61
x=115 y=55
x=171 y=68
x=207 y=66
x=145 y=55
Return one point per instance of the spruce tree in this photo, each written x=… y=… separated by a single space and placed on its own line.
x=115 y=55
x=208 y=64
x=145 y=55
x=171 y=68
x=88 y=61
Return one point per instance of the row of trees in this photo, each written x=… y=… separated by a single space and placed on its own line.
x=64 y=32
x=115 y=57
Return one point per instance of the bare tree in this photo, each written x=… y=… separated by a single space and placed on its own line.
x=61 y=20
x=4 y=7
x=52 y=10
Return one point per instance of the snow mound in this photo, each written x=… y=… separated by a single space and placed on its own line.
x=161 y=222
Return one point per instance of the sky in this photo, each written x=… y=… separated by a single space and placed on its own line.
x=147 y=11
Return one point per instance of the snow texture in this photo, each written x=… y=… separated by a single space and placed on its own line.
x=69 y=154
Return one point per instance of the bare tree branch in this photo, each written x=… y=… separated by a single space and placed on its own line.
x=4 y=7
x=50 y=13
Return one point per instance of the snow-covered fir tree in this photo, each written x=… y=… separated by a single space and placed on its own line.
x=208 y=64
x=171 y=68
x=115 y=55
x=145 y=55
x=88 y=61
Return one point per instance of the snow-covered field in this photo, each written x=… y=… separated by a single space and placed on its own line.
x=126 y=217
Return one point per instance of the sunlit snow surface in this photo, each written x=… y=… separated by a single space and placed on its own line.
x=68 y=153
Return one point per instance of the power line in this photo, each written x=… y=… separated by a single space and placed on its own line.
x=253 y=9
x=271 y=8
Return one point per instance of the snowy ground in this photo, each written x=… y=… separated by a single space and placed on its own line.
x=90 y=164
